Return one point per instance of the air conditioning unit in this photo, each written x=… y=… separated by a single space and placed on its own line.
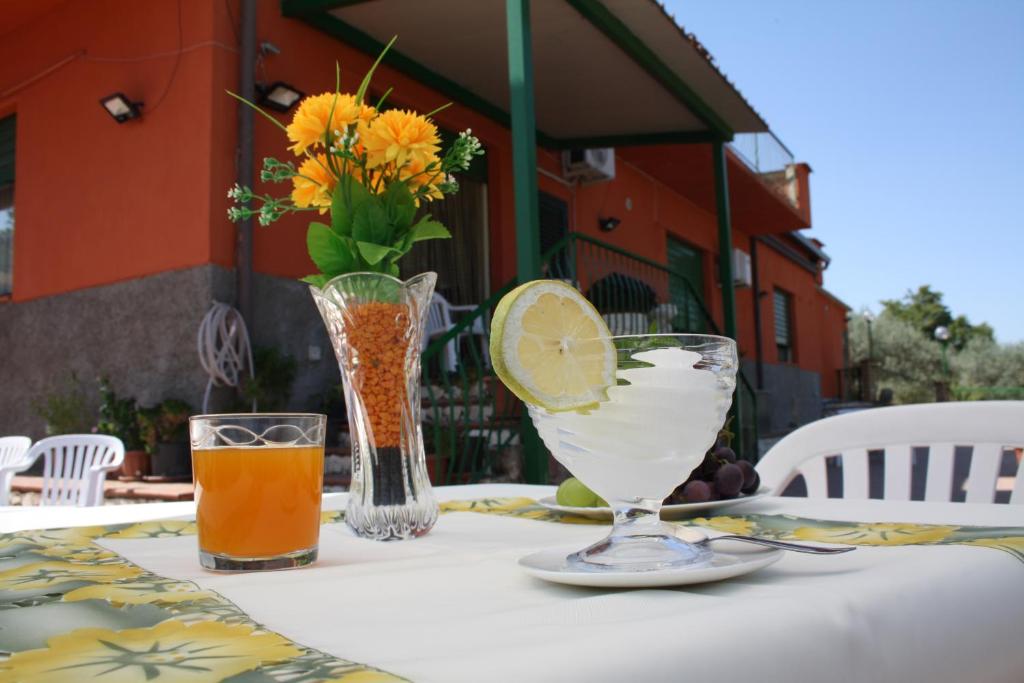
x=589 y=165
x=742 y=273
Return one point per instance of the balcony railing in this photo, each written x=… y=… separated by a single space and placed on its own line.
x=771 y=160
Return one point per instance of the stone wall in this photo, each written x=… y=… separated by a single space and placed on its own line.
x=142 y=334
x=791 y=397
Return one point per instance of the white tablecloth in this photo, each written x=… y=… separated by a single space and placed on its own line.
x=454 y=605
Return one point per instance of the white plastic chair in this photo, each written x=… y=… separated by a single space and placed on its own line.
x=75 y=466
x=988 y=427
x=439 y=321
x=12 y=455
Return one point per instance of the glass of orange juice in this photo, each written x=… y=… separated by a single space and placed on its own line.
x=258 y=479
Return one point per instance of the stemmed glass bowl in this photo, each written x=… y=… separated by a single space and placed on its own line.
x=669 y=402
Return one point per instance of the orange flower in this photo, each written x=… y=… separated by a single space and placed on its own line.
x=398 y=137
x=314 y=184
x=310 y=123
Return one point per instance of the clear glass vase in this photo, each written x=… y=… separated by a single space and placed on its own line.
x=375 y=323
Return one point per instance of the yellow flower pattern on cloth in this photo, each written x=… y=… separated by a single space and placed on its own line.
x=52 y=574
x=141 y=593
x=204 y=651
x=875 y=534
x=160 y=529
x=729 y=525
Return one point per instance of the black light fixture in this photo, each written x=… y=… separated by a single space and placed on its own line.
x=121 y=108
x=278 y=96
x=608 y=224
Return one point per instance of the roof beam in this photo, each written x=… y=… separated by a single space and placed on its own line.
x=685 y=137
x=316 y=14
x=613 y=27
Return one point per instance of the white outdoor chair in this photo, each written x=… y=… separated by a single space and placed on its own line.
x=439 y=321
x=75 y=466
x=12 y=454
x=988 y=427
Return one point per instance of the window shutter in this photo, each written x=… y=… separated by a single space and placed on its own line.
x=781 y=318
x=6 y=150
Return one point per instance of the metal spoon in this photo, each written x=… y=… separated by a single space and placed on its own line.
x=781 y=545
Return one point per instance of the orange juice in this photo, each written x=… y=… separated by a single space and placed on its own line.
x=258 y=501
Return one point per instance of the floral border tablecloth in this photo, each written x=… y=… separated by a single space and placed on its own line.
x=71 y=609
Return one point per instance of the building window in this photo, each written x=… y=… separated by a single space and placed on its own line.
x=784 y=325
x=6 y=204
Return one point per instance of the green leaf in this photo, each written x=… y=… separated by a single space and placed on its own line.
x=328 y=250
x=370 y=223
x=400 y=206
x=428 y=229
x=318 y=280
x=374 y=253
x=369 y=74
x=349 y=195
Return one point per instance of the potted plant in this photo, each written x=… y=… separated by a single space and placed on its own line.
x=165 y=433
x=120 y=417
x=372 y=170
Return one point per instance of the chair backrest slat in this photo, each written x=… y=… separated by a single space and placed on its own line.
x=1017 y=495
x=981 y=482
x=897 y=472
x=938 y=486
x=989 y=427
x=74 y=466
x=855 y=473
x=815 y=478
x=13 y=459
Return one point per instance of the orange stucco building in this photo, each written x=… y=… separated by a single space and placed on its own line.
x=121 y=238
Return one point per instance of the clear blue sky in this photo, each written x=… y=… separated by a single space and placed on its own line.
x=911 y=114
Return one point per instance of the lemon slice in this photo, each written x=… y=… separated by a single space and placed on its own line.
x=551 y=348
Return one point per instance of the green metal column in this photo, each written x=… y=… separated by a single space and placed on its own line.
x=524 y=139
x=524 y=173
x=725 y=276
x=724 y=239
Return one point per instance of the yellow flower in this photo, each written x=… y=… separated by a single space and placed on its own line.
x=416 y=175
x=397 y=137
x=729 y=525
x=204 y=651
x=310 y=123
x=47 y=574
x=141 y=593
x=314 y=184
x=164 y=529
x=875 y=534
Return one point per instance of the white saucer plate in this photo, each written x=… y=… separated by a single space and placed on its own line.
x=680 y=511
x=738 y=559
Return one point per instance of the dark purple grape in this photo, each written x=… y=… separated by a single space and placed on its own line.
x=696 y=492
x=725 y=453
x=748 y=474
x=754 y=485
x=729 y=480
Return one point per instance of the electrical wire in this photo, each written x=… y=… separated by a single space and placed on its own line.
x=224 y=349
x=177 y=62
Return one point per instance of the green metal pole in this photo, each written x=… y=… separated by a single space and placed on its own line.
x=725 y=275
x=524 y=174
x=524 y=139
x=724 y=240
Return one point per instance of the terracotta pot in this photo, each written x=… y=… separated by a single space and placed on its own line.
x=135 y=465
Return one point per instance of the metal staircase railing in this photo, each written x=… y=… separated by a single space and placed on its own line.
x=475 y=429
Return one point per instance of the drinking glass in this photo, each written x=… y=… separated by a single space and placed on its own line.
x=634 y=447
x=258 y=479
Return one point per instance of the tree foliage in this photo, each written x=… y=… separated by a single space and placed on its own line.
x=925 y=311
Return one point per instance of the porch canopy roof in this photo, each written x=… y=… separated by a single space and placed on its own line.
x=608 y=73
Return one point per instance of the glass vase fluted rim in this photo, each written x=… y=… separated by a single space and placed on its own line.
x=398 y=281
